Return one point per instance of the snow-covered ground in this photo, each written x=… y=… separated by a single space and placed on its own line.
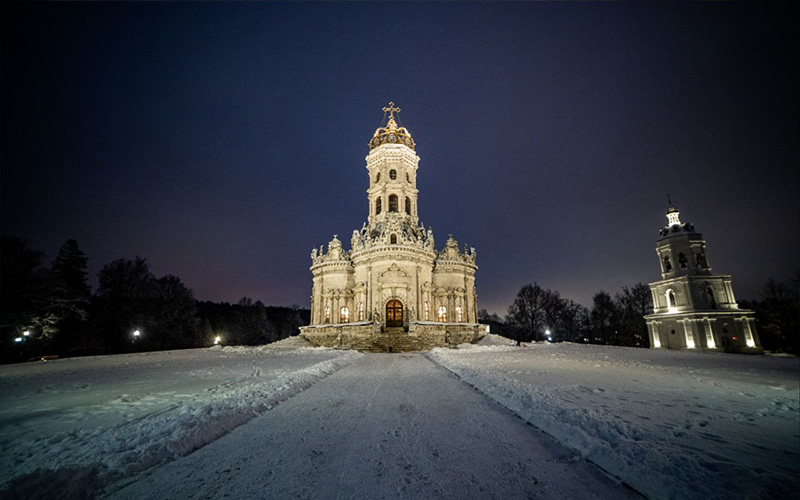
x=670 y=424
x=289 y=421
x=109 y=416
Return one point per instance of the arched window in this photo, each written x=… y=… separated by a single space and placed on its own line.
x=327 y=315
x=711 y=300
x=361 y=311
x=378 y=178
x=344 y=315
x=378 y=206
x=393 y=174
x=408 y=205
x=393 y=239
x=672 y=303
x=442 y=314
x=682 y=261
x=667 y=264
x=701 y=259
x=408 y=178
x=459 y=314
x=427 y=311
x=393 y=203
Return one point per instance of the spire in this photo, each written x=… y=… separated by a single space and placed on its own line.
x=672 y=213
x=391 y=133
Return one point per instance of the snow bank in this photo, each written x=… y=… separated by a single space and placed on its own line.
x=669 y=424
x=96 y=457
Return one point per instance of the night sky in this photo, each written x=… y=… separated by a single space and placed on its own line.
x=223 y=141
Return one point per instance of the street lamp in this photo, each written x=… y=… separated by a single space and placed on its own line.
x=217 y=340
x=136 y=335
x=547 y=332
x=26 y=333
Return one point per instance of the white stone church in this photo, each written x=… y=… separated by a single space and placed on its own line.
x=693 y=308
x=393 y=291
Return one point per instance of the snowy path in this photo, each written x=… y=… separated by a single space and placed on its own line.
x=385 y=426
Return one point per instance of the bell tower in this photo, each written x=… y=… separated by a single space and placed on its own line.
x=392 y=166
x=693 y=308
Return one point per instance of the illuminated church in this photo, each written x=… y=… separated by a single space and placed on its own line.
x=392 y=290
x=693 y=308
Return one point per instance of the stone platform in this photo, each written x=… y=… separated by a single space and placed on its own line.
x=373 y=337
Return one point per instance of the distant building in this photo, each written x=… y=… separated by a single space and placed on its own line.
x=392 y=291
x=693 y=308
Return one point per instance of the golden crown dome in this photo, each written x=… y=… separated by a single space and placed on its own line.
x=391 y=133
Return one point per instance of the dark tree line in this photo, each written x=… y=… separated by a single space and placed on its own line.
x=539 y=314
x=48 y=310
x=778 y=316
x=619 y=320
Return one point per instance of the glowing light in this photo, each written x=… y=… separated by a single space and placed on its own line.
x=136 y=334
x=656 y=342
x=26 y=333
x=18 y=339
x=711 y=343
x=217 y=340
x=690 y=343
x=751 y=343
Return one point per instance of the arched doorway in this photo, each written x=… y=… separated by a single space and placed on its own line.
x=394 y=313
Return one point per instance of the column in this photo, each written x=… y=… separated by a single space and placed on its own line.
x=687 y=330
x=710 y=342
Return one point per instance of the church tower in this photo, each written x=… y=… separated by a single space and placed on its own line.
x=392 y=164
x=692 y=307
x=393 y=291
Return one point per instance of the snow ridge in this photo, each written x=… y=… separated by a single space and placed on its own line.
x=655 y=461
x=96 y=458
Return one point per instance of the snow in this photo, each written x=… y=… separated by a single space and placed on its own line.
x=387 y=426
x=669 y=424
x=291 y=421
x=110 y=416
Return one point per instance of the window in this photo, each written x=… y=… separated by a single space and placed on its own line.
x=459 y=314
x=427 y=311
x=667 y=265
x=344 y=315
x=393 y=203
x=327 y=314
x=378 y=206
x=393 y=174
x=712 y=302
x=682 y=261
x=408 y=206
x=378 y=178
x=442 y=315
x=408 y=178
x=393 y=239
x=672 y=304
x=361 y=311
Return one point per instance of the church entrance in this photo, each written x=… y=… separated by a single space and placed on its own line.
x=394 y=313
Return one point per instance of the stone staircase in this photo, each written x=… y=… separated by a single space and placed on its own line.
x=393 y=340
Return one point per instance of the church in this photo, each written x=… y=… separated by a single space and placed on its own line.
x=392 y=291
x=693 y=308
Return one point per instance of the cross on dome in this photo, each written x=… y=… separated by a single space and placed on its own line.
x=391 y=109
x=391 y=133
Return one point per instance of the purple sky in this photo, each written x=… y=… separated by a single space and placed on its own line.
x=223 y=141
